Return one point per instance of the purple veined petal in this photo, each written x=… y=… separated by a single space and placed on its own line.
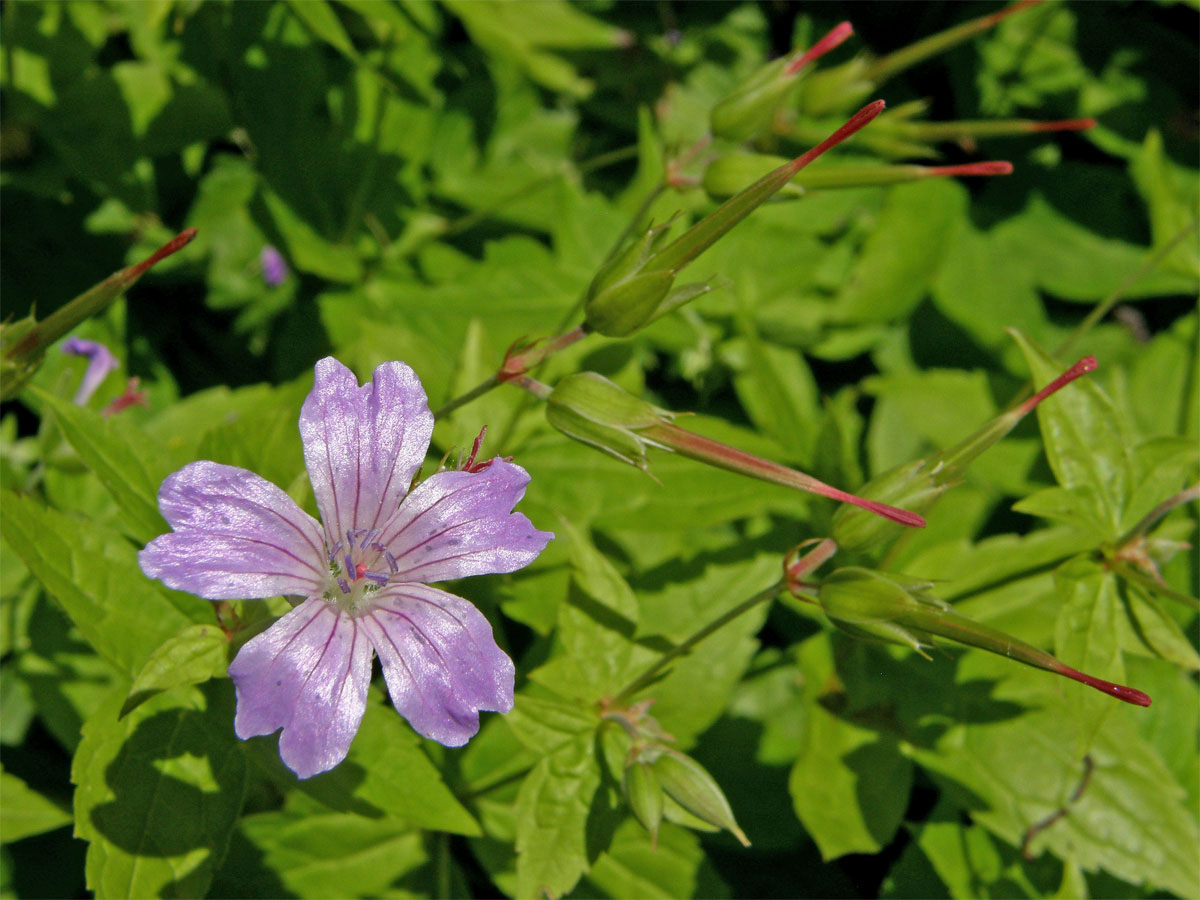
x=362 y=445
x=100 y=362
x=456 y=524
x=236 y=536
x=307 y=674
x=439 y=659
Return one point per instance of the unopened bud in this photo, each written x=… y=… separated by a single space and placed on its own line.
x=645 y=796
x=589 y=408
x=917 y=485
x=689 y=784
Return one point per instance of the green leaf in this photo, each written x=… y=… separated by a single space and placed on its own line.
x=1086 y=636
x=1014 y=770
x=901 y=257
x=307 y=248
x=93 y=574
x=545 y=724
x=1171 y=195
x=595 y=626
x=158 y=792
x=119 y=457
x=552 y=815
x=1086 y=441
x=193 y=656
x=386 y=772
x=517 y=34
x=674 y=867
x=321 y=855
x=25 y=812
x=779 y=393
x=850 y=785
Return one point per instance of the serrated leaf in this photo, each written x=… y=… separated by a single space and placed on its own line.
x=1086 y=636
x=386 y=772
x=674 y=866
x=901 y=257
x=330 y=854
x=157 y=793
x=93 y=574
x=118 y=456
x=552 y=814
x=25 y=812
x=193 y=656
x=849 y=785
x=595 y=627
x=1010 y=773
x=1086 y=442
x=544 y=724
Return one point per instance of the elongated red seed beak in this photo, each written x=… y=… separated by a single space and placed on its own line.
x=833 y=38
x=995 y=167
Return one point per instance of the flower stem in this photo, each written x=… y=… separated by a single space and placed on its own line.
x=1104 y=307
x=478 y=391
x=651 y=674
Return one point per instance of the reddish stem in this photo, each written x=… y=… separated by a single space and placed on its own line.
x=833 y=38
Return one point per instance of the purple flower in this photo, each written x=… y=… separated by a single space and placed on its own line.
x=100 y=363
x=361 y=575
x=274 y=266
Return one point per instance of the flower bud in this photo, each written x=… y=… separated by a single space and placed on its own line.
x=752 y=103
x=917 y=485
x=899 y=609
x=645 y=796
x=689 y=784
x=590 y=408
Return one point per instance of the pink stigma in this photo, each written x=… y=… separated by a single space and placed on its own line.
x=360 y=569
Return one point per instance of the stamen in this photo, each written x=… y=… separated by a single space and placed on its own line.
x=349 y=561
x=380 y=580
x=344 y=585
x=391 y=560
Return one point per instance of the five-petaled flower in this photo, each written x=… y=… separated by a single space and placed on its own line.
x=363 y=576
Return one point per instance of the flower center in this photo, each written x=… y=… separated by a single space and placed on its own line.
x=355 y=569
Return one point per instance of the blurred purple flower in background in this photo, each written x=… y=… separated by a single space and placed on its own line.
x=363 y=575
x=100 y=363
x=274 y=266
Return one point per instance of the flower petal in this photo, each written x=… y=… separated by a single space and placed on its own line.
x=307 y=674
x=439 y=659
x=363 y=444
x=236 y=536
x=460 y=523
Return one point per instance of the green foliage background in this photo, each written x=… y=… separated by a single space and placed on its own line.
x=443 y=180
